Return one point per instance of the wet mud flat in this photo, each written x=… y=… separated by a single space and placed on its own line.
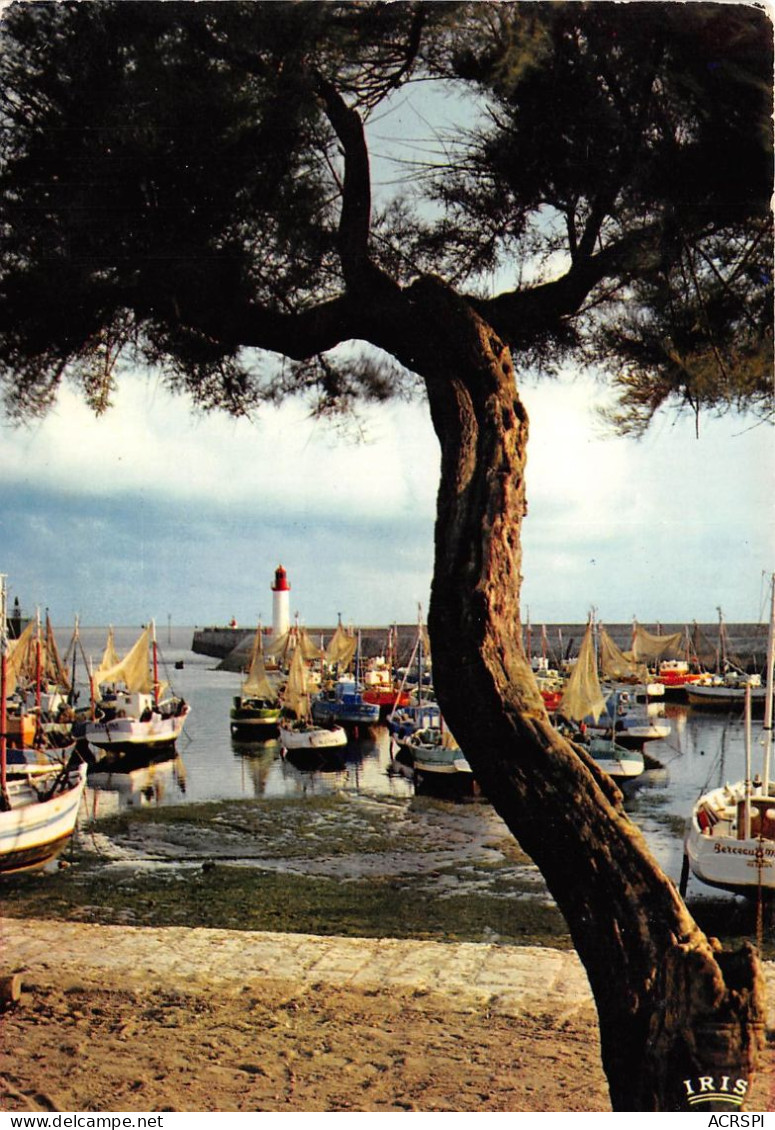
x=340 y=864
x=355 y=866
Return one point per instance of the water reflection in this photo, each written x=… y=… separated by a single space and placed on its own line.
x=111 y=791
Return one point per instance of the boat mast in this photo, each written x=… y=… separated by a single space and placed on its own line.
x=155 y=664
x=768 y=692
x=747 y=793
x=71 y=695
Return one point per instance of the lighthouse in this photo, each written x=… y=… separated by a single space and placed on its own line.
x=280 y=603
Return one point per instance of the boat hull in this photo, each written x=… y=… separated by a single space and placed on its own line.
x=346 y=713
x=725 y=698
x=740 y=866
x=312 y=738
x=254 y=724
x=124 y=735
x=34 y=832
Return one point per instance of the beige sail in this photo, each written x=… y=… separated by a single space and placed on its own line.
x=296 y=696
x=341 y=648
x=309 y=649
x=133 y=670
x=649 y=648
x=18 y=657
x=583 y=695
x=53 y=667
x=110 y=656
x=282 y=647
x=256 y=682
x=617 y=664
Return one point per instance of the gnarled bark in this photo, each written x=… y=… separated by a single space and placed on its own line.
x=671 y=1006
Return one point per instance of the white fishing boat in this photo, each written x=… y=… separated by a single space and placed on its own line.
x=38 y=812
x=730 y=839
x=133 y=714
x=297 y=730
x=39 y=819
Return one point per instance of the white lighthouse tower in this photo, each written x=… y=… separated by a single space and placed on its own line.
x=281 y=618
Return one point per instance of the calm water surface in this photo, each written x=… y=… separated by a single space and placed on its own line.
x=703 y=750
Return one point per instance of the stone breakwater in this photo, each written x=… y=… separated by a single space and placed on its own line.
x=509 y=980
x=746 y=643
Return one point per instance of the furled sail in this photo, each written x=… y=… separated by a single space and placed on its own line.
x=133 y=670
x=583 y=696
x=649 y=648
x=616 y=664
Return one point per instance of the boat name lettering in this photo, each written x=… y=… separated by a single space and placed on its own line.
x=722 y=848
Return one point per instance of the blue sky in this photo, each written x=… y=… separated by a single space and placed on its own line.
x=154 y=511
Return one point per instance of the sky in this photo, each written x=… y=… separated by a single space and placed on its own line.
x=154 y=511
x=157 y=511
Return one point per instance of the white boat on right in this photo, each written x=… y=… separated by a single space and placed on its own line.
x=297 y=730
x=730 y=839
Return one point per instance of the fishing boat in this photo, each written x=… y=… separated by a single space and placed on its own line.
x=255 y=711
x=623 y=765
x=38 y=818
x=132 y=715
x=585 y=705
x=730 y=838
x=297 y=730
x=379 y=684
x=438 y=762
x=342 y=703
x=38 y=812
x=728 y=692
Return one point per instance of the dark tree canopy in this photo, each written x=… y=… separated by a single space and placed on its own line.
x=189 y=185
x=172 y=179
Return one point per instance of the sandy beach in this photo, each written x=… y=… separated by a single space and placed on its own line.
x=137 y=1019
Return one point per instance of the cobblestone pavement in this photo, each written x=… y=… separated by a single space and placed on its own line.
x=512 y=980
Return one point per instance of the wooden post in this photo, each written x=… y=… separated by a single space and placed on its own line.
x=10 y=991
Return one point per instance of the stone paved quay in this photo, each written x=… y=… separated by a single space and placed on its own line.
x=511 y=980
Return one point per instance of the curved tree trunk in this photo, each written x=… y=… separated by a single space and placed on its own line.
x=672 y=1006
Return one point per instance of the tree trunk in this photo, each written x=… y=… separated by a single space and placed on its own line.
x=673 y=1008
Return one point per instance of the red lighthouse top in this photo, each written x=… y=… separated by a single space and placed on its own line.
x=280 y=580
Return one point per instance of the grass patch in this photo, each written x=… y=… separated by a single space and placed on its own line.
x=240 y=898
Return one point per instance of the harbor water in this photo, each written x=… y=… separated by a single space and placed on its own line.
x=703 y=750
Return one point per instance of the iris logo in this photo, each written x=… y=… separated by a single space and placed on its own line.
x=707 y=1090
